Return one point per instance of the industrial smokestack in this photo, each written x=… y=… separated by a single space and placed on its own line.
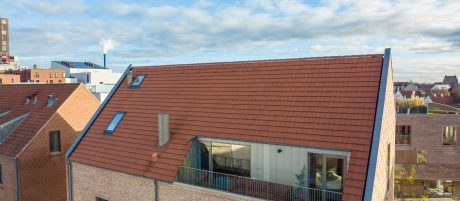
x=107 y=44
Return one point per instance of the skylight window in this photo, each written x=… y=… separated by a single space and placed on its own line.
x=138 y=81
x=114 y=123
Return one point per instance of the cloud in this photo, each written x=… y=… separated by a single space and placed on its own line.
x=153 y=30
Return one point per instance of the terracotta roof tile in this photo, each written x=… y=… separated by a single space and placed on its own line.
x=314 y=102
x=13 y=98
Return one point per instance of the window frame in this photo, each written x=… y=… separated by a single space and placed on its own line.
x=110 y=132
x=55 y=152
x=456 y=127
x=409 y=134
x=140 y=83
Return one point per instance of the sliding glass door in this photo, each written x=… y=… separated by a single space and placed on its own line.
x=327 y=172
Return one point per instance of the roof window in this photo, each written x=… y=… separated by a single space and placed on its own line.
x=114 y=123
x=138 y=81
x=51 y=100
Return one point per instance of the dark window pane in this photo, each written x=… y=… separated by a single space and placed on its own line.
x=55 y=141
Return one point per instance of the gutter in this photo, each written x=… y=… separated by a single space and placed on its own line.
x=374 y=149
x=90 y=123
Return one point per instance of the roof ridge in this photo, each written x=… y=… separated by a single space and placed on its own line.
x=264 y=60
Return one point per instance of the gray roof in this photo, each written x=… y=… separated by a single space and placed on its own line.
x=80 y=64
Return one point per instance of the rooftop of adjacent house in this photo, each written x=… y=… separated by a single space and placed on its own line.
x=450 y=79
x=80 y=64
x=401 y=83
x=408 y=94
x=24 y=109
x=325 y=102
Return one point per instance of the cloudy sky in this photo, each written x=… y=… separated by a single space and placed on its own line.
x=424 y=34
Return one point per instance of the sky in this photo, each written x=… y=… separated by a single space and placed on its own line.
x=424 y=34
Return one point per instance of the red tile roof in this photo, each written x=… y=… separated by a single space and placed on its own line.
x=313 y=102
x=446 y=100
x=408 y=94
x=13 y=98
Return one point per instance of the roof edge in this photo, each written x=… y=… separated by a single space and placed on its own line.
x=99 y=110
x=374 y=149
x=262 y=60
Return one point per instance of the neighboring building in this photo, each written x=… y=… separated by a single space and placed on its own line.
x=445 y=100
x=411 y=87
x=48 y=76
x=455 y=92
x=87 y=72
x=38 y=123
x=430 y=142
x=407 y=94
x=398 y=86
x=9 y=79
x=98 y=79
x=450 y=80
x=5 y=41
x=275 y=129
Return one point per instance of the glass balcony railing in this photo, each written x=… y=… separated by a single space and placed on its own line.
x=252 y=187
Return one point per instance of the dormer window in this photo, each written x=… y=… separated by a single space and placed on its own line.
x=138 y=81
x=51 y=100
x=114 y=123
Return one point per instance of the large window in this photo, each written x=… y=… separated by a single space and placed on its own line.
x=388 y=166
x=449 y=135
x=326 y=172
x=403 y=134
x=55 y=142
x=114 y=123
x=439 y=188
x=421 y=157
x=226 y=158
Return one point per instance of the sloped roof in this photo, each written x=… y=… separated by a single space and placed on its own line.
x=446 y=100
x=400 y=83
x=450 y=79
x=13 y=99
x=327 y=102
x=408 y=94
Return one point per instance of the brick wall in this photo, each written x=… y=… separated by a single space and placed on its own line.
x=29 y=75
x=387 y=133
x=42 y=174
x=89 y=182
x=9 y=79
x=426 y=135
x=8 y=185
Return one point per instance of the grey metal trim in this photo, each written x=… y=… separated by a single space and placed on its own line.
x=99 y=110
x=70 y=180
x=374 y=149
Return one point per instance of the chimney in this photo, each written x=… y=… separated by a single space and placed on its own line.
x=163 y=128
x=105 y=60
x=129 y=78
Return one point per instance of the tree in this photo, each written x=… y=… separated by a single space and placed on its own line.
x=404 y=179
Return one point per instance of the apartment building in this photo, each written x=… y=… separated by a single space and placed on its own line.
x=294 y=129
x=98 y=79
x=5 y=41
x=38 y=123
x=430 y=142
x=44 y=76
x=9 y=78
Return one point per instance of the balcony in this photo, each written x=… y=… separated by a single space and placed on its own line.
x=402 y=139
x=252 y=187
